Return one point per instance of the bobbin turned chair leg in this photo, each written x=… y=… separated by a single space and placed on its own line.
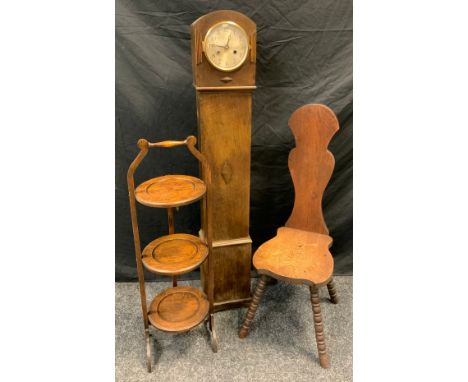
x=332 y=292
x=322 y=350
x=244 y=331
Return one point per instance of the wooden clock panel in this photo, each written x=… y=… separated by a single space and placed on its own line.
x=228 y=150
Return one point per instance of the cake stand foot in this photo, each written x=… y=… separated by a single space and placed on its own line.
x=148 y=350
x=212 y=331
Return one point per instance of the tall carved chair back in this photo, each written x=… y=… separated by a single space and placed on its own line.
x=311 y=165
x=299 y=253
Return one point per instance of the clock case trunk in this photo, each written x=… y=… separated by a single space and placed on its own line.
x=224 y=112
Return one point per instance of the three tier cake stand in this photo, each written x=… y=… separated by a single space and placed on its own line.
x=180 y=308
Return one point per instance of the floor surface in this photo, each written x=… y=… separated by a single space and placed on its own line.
x=280 y=347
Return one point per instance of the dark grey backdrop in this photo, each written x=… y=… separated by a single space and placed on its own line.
x=304 y=56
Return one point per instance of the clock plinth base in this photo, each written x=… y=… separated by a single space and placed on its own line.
x=232 y=263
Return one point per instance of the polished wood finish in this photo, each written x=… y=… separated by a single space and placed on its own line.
x=253 y=306
x=170 y=220
x=233 y=265
x=296 y=256
x=170 y=191
x=215 y=88
x=174 y=254
x=318 y=324
x=299 y=253
x=228 y=150
x=170 y=223
x=178 y=309
x=143 y=145
x=311 y=165
x=204 y=74
x=224 y=111
x=224 y=129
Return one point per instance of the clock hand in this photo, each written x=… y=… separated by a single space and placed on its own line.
x=227 y=42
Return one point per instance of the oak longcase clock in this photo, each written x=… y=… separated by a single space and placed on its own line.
x=223 y=63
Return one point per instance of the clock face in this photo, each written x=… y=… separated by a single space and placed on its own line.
x=226 y=46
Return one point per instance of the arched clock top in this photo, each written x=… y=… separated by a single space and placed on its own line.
x=224 y=51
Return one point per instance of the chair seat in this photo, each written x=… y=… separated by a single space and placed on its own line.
x=174 y=254
x=296 y=256
x=170 y=191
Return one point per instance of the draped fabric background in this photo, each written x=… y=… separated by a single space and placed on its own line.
x=304 y=55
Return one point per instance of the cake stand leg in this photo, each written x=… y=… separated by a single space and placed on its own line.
x=212 y=331
x=170 y=225
x=148 y=350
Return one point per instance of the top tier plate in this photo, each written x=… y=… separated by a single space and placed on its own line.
x=170 y=191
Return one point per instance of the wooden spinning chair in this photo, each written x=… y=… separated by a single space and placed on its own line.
x=299 y=253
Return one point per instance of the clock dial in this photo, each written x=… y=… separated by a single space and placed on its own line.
x=226 y=46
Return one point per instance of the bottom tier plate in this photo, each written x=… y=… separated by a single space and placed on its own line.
x=178 y=309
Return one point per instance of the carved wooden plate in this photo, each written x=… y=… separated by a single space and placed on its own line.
x=174 y=254
x=170 y=191
x=178 y=309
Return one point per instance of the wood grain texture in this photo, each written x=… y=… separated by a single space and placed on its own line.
x=299 y=253
x=136 y=231
x=170 y=220
x=296 y=256
x=224 y=111
x=170 y=191
x=318 y=324
x=232 y=275
x=174 y=254
x=244 y=331
x=170 y=224
x=198 y=43
x=311 y=165
x=178 y=309
x=253 y=47
x=225 y=130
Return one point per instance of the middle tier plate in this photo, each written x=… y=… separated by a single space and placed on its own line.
x=174 y=254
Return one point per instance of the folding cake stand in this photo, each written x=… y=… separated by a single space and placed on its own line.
x=180 y=308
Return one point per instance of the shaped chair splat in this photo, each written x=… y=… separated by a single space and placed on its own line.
x=311 y=165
